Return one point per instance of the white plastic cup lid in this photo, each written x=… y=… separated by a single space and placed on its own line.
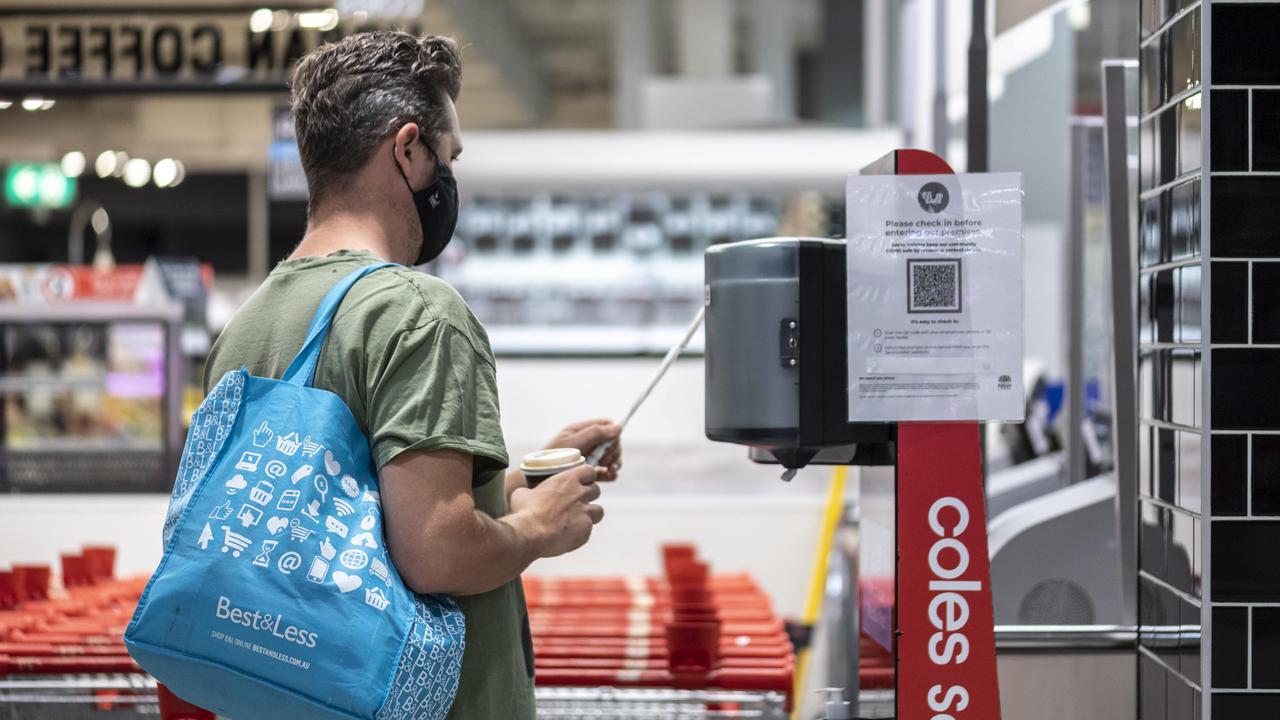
x=552 y=460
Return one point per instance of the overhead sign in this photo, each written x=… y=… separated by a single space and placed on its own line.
x=38 y=185
x=935 y=297
x=165 y=48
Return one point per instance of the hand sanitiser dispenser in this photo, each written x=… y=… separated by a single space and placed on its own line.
x=777 y=371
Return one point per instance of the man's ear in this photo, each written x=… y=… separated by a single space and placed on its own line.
x=405 y=140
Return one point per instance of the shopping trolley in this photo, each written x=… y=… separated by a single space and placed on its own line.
x=685 y=646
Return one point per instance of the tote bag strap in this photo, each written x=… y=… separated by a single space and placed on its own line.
x=303 y=368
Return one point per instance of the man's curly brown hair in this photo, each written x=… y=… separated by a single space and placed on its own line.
x=348 y=96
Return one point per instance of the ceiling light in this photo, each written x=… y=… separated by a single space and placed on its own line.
x=324 y=20
x=165 y=173
x=260 y=20
x=47 y=104
x=137 y=172
x=99 y=220
x=32 y=104
x=122 y=159
x=73 y=164
x=105 y=165
x=6 y=104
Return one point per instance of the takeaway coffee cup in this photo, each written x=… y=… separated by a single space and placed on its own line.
x=540 y=465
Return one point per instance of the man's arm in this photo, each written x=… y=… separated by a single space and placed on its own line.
x=440 y=542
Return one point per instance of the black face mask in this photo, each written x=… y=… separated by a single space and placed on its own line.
x=437 y=206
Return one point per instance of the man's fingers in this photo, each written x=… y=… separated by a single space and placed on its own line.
x=596 y=513
x=575 y=427
x=591 y=492
x=593 y=436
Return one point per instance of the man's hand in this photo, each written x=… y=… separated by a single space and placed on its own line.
x=561 y=511
x=588 y=435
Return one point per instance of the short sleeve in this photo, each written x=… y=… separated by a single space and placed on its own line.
x=435 y=391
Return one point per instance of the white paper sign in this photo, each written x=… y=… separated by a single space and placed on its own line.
x=935 y=297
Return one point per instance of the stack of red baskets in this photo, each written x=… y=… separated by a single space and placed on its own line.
x=687 y=630
x=77 y=629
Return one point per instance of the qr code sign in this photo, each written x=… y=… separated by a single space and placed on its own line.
x=934 y=286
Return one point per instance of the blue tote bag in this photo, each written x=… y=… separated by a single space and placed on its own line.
x=275 y=597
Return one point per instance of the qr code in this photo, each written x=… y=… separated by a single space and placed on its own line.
x=934 y=286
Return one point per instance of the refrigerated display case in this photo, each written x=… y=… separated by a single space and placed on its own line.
x=91 y=396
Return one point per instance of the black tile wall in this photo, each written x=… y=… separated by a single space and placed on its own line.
x=1230 y=316
x=1182 y=551
x=1189 y=134
x=1167 y=465
x=1265 y=478
x=1151 y=230
x=1172 y=324
x=1165 y=305
x=1244 y=44
x=1244 y=707
x=1230 y=656
x=1266 y=302
x=1266 y=648
x=1189 y=478
x=1245 y=395
x=1266 y=130
x=1153 y=540
x=1153 y=88
x=1189 y=640
x=1242 y=570
x=1229 y=475
x=1245 y=216
x=1229 y=133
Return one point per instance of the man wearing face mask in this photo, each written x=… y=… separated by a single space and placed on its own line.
x=378 y=136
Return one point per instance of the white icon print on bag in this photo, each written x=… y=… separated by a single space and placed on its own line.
x=370 y=520
x=262 y=436
x=222 y=512
x=312 y=511
x=275 y=469
x=322 y=487
x=374 y=598
x=249 y=516
x=365 y=539
x=263 y=558
x=288 y=444
x=310 y=447
x=319 y=570
x=288 y=500
x=349 y=486
x=206 y=535
x=301 y=474
x=236 y=484
x=371 y=496
x=234 y=542
x=335 y=526
x=346 y=583
x=299 y=532
x=344 y=508
x=327 y=550
x=353 y=559
x=330 y=464
x=379 y=570
x=289 y=562
x=249 y=461
x=276 y=524
x=262 y=493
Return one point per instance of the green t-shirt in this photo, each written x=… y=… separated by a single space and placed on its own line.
x=414 y=366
